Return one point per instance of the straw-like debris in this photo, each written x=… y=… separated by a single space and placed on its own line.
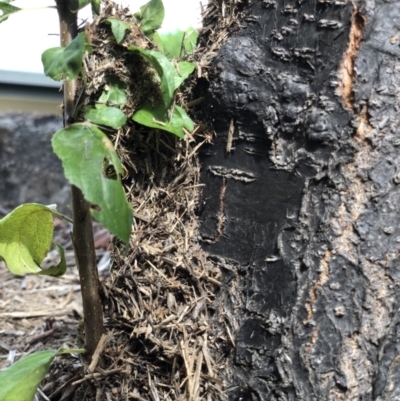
x=159 y=344
x=221 y=18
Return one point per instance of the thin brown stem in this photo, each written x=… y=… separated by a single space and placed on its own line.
x=86 y=261
x=82 y=227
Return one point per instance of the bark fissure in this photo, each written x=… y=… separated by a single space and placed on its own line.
x=347 y=71
x=322 y=279
x=221 y=216
x=297 y=80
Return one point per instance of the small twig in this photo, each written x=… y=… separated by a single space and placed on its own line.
x=43 y=395
x=63 y=216
x=96 y=375
x=96 y=356
x=195 y=102
x=230 y=136
x=40 y=336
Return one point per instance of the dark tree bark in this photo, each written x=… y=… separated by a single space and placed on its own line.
x=301 y=207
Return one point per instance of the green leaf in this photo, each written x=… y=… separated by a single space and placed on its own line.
x=61 y=268
x=180 y=118
x=115 y=94
x=176 y=44
x=118 y=28
x=165 y=69
x=83 y=149
x=25 y=238
x=21 y=380
x=53 y=63
x=104 y=115
x=60 y=61
x=83 y=3
x=7 y=9
x=156 y=38
x=151 y=16
x=157 y=117
x=184 y=69
x=96 y=7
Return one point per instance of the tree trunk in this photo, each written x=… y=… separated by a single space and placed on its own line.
x=301 y=204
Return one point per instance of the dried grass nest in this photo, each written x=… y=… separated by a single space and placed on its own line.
x=159 y=344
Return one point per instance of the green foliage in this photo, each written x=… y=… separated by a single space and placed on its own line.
x=7 y=9
x=156 y=39
x=165 y=71
x=158 y=117
x=167 y=116
x=176 y=44
x=83 y=149
x=96 y=6
x=25 y=239
x=104 y=115
x=118 y=28
x=20 y=381
x=183 y=70
x=90 y=161
x=151 y=16
x=65 y=62
x=115 y=94
x=61 y=268
x=83 y=3
x=94 y=3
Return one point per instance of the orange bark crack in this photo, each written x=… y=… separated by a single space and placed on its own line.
x=346 y=68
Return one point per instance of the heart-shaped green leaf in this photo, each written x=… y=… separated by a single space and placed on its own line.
x=157 y=117
x=104 y=115
x=25 y=239
x=115 y=94
x=118 y=28
x=84 y=150
x=151 y=16
x=65 y=61
x=166 y=71
x=7 y=9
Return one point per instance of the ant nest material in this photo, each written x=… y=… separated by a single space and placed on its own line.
x=157 y=298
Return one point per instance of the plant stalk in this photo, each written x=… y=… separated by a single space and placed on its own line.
x=82 y=234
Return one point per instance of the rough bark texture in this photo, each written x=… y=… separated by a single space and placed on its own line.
x=301 y=204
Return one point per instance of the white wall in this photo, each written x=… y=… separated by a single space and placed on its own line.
x=24 y=36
